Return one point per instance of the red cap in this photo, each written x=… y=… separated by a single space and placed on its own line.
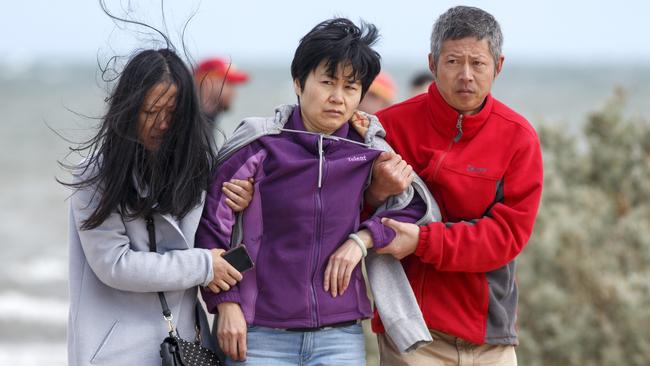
x=218 y=67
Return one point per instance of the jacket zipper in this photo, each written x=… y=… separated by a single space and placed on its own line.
x=322 y=169
x=459 y=135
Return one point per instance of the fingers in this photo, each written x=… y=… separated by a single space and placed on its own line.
x=234 y=206
x=232 y=348
x=400 y=165
x=223 y=285
x=233 y=273
x=359 y=119
x=326 y=279
x=334 y=276
x=395 y=225
x=224 y=274
x=408 y=172
x=242 y=188
x=340 y=266
x=214 y=288
x=384 y=156
x=235 y=202
x=239 y=193
x=360 y=123
x=230 y=281
x=241 y=342
x=223 y=343
x=231 y=330
x=226 y=277
x=340 y=278
x=346 y=278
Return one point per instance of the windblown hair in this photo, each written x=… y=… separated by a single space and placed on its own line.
x=466 y=21
x=337 y=41
x=126 y=176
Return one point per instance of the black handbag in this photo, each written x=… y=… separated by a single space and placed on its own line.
x=174 y=350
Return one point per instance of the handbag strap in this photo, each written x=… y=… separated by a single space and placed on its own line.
x=167 y=314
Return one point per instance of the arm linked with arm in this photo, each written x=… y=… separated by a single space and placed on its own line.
x=108 y=251
x=218 y=219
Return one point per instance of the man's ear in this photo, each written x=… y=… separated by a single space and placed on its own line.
x=499 y=66
x=432 y=65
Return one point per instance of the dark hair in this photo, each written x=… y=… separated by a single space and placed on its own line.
x=421 y=79
x=173 y=177
x=335 y=41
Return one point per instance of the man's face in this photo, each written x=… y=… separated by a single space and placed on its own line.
x=465 y=72
x=214 y=99
x=328 y=101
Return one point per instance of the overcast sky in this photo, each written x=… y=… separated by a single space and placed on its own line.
x=552 y=31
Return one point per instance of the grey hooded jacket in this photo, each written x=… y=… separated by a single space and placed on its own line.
x=115 y=316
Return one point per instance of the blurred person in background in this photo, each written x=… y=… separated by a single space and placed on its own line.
x=482 y=162
x=380 y=95
x=217 y=81
x=420 y=83
x=149 y=164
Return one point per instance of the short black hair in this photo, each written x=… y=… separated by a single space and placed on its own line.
x=335 y=41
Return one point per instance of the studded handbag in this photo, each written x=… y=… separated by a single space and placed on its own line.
x=174 y=350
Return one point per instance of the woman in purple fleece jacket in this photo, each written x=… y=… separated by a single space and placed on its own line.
x=302 y=302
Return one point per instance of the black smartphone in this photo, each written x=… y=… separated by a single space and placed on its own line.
x=238 y=257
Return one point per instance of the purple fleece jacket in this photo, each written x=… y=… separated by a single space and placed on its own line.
x=292 y=226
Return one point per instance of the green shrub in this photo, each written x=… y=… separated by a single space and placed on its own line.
x=585 y=275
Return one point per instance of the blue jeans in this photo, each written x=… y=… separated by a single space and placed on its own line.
x=276 y=347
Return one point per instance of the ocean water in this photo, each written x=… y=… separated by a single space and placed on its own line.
x=43 y=105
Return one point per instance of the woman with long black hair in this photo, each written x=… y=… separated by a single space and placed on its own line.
x=152 y=157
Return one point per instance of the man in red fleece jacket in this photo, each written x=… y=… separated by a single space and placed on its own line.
x=482 y=162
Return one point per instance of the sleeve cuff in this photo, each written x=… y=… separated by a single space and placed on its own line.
x=429 y=247
x=212 y=300
x=381 y=235
x=210 y=274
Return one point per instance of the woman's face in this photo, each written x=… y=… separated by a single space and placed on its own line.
x=155 y=115
x=328 y=101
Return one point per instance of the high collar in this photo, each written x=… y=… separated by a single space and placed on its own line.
x=445 y=117
x=310 y=139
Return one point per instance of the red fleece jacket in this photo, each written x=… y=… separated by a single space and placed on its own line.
x=485 y=171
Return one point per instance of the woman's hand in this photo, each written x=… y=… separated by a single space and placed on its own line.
x=231 y=330
x=341 y=264
x=239 y=193
x=360 y=123
x=225 y=275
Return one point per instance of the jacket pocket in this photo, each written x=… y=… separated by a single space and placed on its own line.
x=465 y=194
x=102 y=345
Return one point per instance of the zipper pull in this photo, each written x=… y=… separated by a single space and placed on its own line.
x=459 y=127
x=320 y=160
